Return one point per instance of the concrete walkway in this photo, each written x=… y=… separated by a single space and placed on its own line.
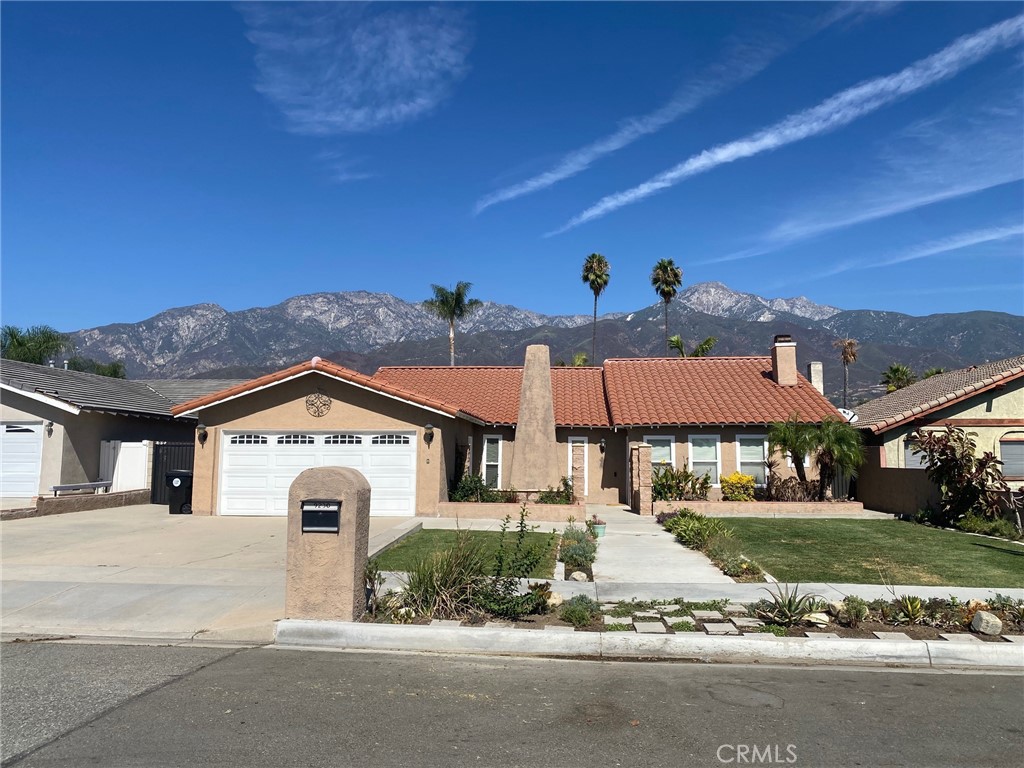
x=636 y=549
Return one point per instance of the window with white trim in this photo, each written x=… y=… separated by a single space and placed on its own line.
x=751 y=452
x=663 y=450
x=390 y=440
x=248 y=439
x=1011 y=453
x=295 y=440
x=490 y=462
x=343 y=440
x=913 y=460
x=704 y=457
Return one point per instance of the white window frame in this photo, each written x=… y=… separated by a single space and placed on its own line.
x=791 y=465
x=718 y=454
x=1010 y=437
x=739 y=463
x=572 y=440
x=483 y=458
x=671 y=447
x=907 y=449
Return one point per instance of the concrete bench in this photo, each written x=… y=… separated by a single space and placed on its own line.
x=101 y=485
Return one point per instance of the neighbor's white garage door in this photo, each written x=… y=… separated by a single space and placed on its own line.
x=21 y=452
x=257 y=468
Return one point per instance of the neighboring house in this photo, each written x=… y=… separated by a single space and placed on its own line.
x=413 y=430
x=53 y=422
x=985 y=400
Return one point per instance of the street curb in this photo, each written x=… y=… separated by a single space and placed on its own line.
x=340 y=635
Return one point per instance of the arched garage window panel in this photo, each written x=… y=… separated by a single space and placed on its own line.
x=295 y=440
x=1011 y=453
x=248 y=439
x=16 y=429
x=343 y=440
x=390 y=440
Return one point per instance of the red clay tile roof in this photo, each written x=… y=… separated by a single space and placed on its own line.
x=491 y=393
x=329 y=369
x=888 y=411
x=706 y=390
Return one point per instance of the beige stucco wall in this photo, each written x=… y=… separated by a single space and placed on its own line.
x=15 y=407
x=283 y=407
x=997 y=406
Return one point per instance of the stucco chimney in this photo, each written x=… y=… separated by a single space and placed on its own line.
x=784 y=361
x=816 y=376
x=535 y=457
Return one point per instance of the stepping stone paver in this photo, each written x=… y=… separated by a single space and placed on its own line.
x=736 y=610
x=556 y=628
x=822 y=635
x=647 y=614
x=609 y=606
x=668 y=608
x=707 y=615
x=616 y=620
x=649 y=627
x=747 y=623
x=953 y=637
x=445 y=623
x=898 y=636
x=720 y=629
x=1014 y=638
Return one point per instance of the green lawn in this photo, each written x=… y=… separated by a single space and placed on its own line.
x=409 y=551
x=878 y=551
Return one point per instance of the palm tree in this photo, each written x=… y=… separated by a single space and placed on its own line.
x=795 y=438
x=838 y=447
x=666 y=278
x=897 y=376
x=848 y=354
x=38 y=344
x=451 y=305
x=579 y=360
x=932 y=372
x=596 y=274
x=701 y=350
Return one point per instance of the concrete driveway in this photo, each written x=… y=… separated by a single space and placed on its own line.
x=140 y=572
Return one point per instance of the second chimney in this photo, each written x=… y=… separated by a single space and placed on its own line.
x=784 y=361
x=816 y=375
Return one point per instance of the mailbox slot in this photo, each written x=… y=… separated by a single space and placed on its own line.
x=321 y=515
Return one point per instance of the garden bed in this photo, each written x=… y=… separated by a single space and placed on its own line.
x=713 y=508
x=404 y=555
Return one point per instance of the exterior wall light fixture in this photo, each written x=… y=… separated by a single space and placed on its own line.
x=428 y=434
x=201 y=434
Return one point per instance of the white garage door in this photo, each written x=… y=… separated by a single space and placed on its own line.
x=257 y=468
x=21 y=452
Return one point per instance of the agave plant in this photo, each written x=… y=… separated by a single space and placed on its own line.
x=911 y=611
x=788 y=607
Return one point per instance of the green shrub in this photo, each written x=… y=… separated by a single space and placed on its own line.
x=670 y=484
x=561 y=495
x=683 y=625
x=574 y=533
x=472 y=488
x=580 y=611
x=738 y=487
x=855 y=610
x=578 y=555
x=773 y=629
x=447 y=583
x=514 y=559
x=696 y=531
x=1000 y=527
x=618 y=627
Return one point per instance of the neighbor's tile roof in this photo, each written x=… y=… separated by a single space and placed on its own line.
x=492 y=392
x=937 y=391
x=91 y=392
x=706 y=390
x=329 y=369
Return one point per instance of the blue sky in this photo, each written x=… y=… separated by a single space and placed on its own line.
x=161 y=155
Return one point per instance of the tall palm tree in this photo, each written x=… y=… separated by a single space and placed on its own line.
x=897 y=376
x=451 y=305
x=838 y=447
x=38 y=344
x=666 y=278
x=596 y=274
x=848 y=354
x=795 y=438
x=701 y=350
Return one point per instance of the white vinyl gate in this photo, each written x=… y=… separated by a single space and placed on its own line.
x=21 y=453
x=257 y=468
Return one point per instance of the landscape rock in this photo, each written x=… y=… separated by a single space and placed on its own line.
x=578 y=576
x=818 y=619
x=835 y=608
x=555 y=600
x=987 y=623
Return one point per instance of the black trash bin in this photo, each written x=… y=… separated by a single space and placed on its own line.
x=179 y=481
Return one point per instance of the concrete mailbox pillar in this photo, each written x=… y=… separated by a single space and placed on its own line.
x=328 y=537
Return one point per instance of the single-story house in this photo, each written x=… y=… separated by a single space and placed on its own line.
x=986 y=400
x=53 y=422
x=414 y=430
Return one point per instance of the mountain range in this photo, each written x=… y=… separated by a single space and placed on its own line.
x=365 y=330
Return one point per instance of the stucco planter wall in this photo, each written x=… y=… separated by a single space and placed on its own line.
x=712 y=508
x=538 y=513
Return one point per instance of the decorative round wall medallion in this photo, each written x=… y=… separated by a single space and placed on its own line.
x=318 y=404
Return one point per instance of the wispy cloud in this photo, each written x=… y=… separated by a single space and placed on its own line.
x=342 y=167
x=932 y=161
x=835 y=112
x=742 y=61
x=341 y=68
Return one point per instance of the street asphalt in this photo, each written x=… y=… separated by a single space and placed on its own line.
x=76 y=704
